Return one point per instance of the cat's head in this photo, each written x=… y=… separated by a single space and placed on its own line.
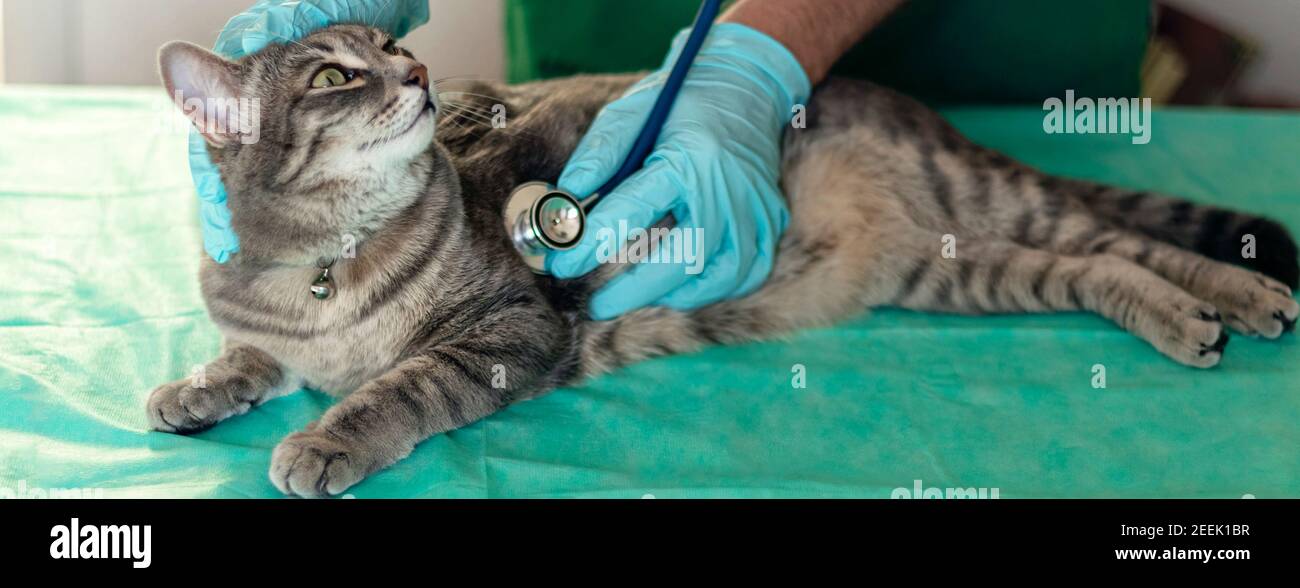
x=317 y=140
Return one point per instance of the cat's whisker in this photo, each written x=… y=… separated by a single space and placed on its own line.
x=493 y=98
x=456 y=124
x=468 y=114
x=470 y=107
x=464 y=121
x=460 y=106
x=490 y=122
x=484 y=119
x=466 y=77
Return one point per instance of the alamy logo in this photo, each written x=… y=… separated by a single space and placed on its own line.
x=129 y=542
x=226 y=116
x=24 y=492
x=678 y=245
x=1127 y=116
x=918 y=490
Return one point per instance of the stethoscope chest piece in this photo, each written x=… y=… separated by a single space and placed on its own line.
x=540 y=218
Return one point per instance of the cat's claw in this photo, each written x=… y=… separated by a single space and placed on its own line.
x=181 y=408
x=1288 y=323
x=1191 y=332
x=1262 y=307
x=1217 y=347
x=313 y=465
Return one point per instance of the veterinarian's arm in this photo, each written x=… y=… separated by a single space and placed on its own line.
x=716 y=167
x=280 y=21
x=818 y=32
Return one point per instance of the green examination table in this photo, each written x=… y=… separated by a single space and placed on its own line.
x=99 y=303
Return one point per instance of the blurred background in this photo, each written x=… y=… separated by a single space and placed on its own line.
x=1240 y=52
x=115 y=42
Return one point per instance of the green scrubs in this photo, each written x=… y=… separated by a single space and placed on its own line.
x=942 y=51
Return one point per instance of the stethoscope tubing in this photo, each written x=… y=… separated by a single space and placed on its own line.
x=654 y=125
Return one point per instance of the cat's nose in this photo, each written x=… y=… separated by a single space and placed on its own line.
x=419 y=76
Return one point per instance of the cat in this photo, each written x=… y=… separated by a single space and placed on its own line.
x=436 y=322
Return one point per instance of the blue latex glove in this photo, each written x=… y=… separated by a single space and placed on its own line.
x=716 y=167
x=281 y=21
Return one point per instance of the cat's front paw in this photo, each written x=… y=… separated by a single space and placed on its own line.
x=184 y=408
x=312 y=464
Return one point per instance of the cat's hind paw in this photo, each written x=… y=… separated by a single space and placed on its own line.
x=1259 y=306
x=1190 y=331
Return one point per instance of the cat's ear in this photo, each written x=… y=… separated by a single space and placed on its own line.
x=205 y=87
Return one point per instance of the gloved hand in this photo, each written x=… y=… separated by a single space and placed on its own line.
x=281 y=21
x=716 y=167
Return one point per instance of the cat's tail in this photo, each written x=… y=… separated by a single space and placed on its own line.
x=1250 y=241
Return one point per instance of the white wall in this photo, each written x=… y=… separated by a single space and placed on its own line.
x=2 y=41
x=40 y=26
x=116 y=41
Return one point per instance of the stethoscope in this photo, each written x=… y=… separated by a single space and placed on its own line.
x=540 y=217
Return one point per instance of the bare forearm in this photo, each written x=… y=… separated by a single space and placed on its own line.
x=818 y=32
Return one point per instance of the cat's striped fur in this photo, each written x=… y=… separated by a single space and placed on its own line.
x=437 y=322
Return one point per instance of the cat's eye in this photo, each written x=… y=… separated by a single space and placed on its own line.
x=330 y=77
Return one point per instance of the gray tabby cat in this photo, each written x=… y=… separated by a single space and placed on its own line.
x=437 y=323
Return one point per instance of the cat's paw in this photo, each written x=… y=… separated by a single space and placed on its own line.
x=1193 y=333
x=1254 y=304
x=183 y=408
x=312 y=464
